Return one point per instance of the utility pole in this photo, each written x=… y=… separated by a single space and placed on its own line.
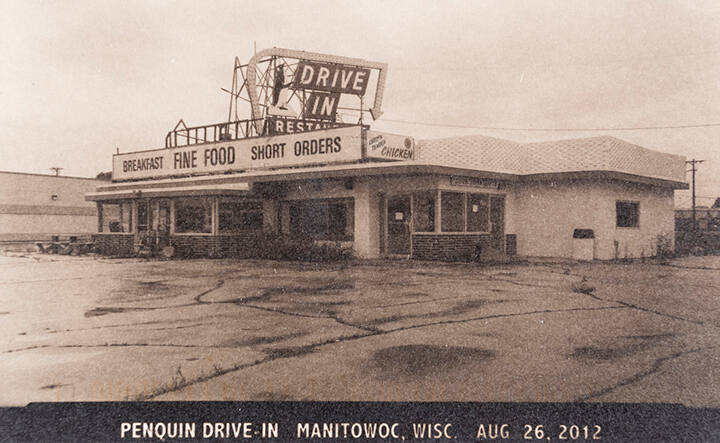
x=57 y=170
x=693 y=162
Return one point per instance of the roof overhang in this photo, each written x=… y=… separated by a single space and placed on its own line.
x=603 y=175
x=219 y=181
x=241 y=183
x=176 y=191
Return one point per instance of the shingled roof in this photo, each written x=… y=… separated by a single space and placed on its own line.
x=603 y=153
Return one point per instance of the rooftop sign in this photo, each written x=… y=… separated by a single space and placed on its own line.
x=331 y=78
x=314 y=82
x=386 y=146
x=305 y=148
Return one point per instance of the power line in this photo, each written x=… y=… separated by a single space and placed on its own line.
x=596 y=61
x=693 y=162
x=502 y=128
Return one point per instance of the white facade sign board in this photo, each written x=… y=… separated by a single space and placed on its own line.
x=304 y=148
x=386 y=146
x=475 y=182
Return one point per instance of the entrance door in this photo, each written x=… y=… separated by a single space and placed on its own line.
x=398 y=225
x=142 y=216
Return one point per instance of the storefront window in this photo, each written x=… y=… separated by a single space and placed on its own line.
x=424 y=211
x=193 y=215
x=239 y=216
x=116 y=217
x=478 y=213
x=322 y=219
x=452 y=209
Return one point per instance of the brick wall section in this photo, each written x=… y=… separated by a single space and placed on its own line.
x=114 y=244
x=454 y=247
x=236 y=245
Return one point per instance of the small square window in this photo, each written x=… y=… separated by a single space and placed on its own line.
x=627 y=214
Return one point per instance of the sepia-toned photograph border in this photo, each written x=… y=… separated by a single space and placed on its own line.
x=467 y=220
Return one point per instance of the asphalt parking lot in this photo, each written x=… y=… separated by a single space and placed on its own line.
x=98 y=329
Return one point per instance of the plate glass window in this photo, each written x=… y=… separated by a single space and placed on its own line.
x=322 y=219
x=452 y=209
x=116 y=217
x=193 y=215
x=478 y=213
x=240 y=216
x=424 y=211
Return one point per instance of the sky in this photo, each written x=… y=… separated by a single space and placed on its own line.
x=80 y=79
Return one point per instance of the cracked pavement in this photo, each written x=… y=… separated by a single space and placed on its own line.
x=97 y=329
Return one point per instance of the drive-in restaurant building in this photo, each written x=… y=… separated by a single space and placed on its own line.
x=214 y=189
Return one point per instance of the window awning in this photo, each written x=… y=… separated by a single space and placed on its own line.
x=178 y=191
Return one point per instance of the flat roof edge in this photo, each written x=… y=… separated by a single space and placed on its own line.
x=373 y=169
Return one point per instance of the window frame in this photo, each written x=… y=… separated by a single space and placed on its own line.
x=487 y=197
x=178 y=202
x=413 y=206
x=636 y=204
x=348 y=202
x=102 y=214
x=463 y=207
x=261 y=210
x=439 y=212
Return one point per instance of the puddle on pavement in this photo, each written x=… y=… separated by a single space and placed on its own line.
x=155 y=284
x=619 y=351
x=137 y=290
x=396 y=282
x=96 y=312
x=259 y=340
x=418 y=361
x=650 y=337
x=414 y=294
x=470 y=305
x=583 y=287
x=267 y=294
x=290 y=351
x=335 y=285
x=328 y=309
x=458 y=309
x=53 y=386
x=431 y=274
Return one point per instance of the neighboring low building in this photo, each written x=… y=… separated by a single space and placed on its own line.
x=385 y=195
x=704 y=238
x=35 y=207
x=707 y=219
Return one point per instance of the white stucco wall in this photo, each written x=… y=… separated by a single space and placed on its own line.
x=544 y=216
